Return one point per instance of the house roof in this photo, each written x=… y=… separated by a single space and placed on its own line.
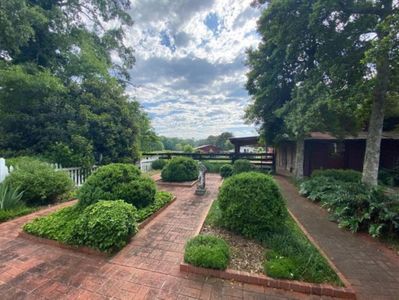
x=245 y=141
x=204 y=146
x=361 y=136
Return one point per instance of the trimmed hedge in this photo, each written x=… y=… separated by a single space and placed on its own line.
x=241 y=166
x=158 y=164
x=251 y=204
x=226 y=171
x=40 y=183
x=106 y=225
x=208 y=252
x=118 y=181
x=180 y=169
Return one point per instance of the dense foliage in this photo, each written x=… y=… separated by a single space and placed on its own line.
x=10 y=198
x=40 y=183
x=117 y=181
x=180 y=169
x=325 y=66
x=63 y=82
x=389 y=177
x=208 y=252
x=242 y=165
x=251 y=204
x=9 y=214
x=105 y=225
x=226 y=171
x=158 y=164
x=354 y=205
x=338 y=174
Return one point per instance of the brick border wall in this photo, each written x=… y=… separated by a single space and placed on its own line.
x=177 y=184
x=84 y=249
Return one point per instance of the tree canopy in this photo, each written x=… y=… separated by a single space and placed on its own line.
x=63 y=69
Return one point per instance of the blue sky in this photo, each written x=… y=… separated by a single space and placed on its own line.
x=190 y=72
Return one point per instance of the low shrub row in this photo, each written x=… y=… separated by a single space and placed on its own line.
x=352 y=204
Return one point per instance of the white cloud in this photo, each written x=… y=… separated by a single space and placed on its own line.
x=190 y=76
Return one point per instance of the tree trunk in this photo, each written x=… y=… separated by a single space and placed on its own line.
x=373 y=145
x=299 y=157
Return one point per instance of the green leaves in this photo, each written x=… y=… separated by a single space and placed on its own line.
x=180 y=169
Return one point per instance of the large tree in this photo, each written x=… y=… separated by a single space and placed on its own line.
x=341 y=58
x=62 y=90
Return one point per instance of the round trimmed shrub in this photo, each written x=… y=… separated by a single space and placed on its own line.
x=241 y=166
x=105 y=225
x=226 y=171
x=208 y=252
x=158 y=164
x=180 y=169
x=40 y=183
x=251 y=204
x=140 y=192
x=105 y=183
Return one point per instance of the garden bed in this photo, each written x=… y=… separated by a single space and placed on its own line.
x=57 y=236
x=247 y=261
x=177 y=184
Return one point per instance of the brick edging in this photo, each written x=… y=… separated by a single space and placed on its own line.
x=84 y=249
x=177 y=184
x=258 y=279
x=155 y=214
x=321 y=251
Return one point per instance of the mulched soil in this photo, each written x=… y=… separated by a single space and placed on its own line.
x=246 y=255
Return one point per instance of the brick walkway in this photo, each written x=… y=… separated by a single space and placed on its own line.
x=372 y=269
x=147 y=268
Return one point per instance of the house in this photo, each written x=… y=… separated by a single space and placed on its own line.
x=324 y=151
x=208 y=149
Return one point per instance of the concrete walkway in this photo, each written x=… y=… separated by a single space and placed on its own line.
x=147 y=268
x=372 y=269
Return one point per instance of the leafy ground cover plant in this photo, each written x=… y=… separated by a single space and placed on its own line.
x=339 y=174
x=208 y=252
x=40 y=183
x=251 y=203
x=226 y=171
x=352 y=204
x=180 y=169
x=19 y=211
x=242 y=165
x=161 y=199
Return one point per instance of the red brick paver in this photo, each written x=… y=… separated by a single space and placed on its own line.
x=147 y=268
x=372 y=270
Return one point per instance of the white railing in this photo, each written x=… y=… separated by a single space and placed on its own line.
x=78 y=175
x=4 y=170
x=145 y=163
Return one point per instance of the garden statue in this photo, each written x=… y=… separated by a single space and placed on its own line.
x=201 y=189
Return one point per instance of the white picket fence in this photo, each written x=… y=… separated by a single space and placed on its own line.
x=78 y=175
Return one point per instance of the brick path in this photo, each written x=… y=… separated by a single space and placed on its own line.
x=372 y=269
x=147 y=268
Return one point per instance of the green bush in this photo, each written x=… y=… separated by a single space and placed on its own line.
x=161 y=199
x=251 y=204
x=226 y=171
x=115 y=181
x=338 y=174
x=208 y=252
x=9 y=198
x=277 y=266
x=139 y=192
x=213 y=166
x=180 y=169
x=241 y=166
x=316 y=188
x=158 y=164
x=389 y=177
x=105 y=225
x=40 y=182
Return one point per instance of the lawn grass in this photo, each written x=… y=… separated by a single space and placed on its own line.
x=59 y=225
x=289 y=254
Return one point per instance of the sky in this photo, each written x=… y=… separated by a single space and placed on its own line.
x=190 y=64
